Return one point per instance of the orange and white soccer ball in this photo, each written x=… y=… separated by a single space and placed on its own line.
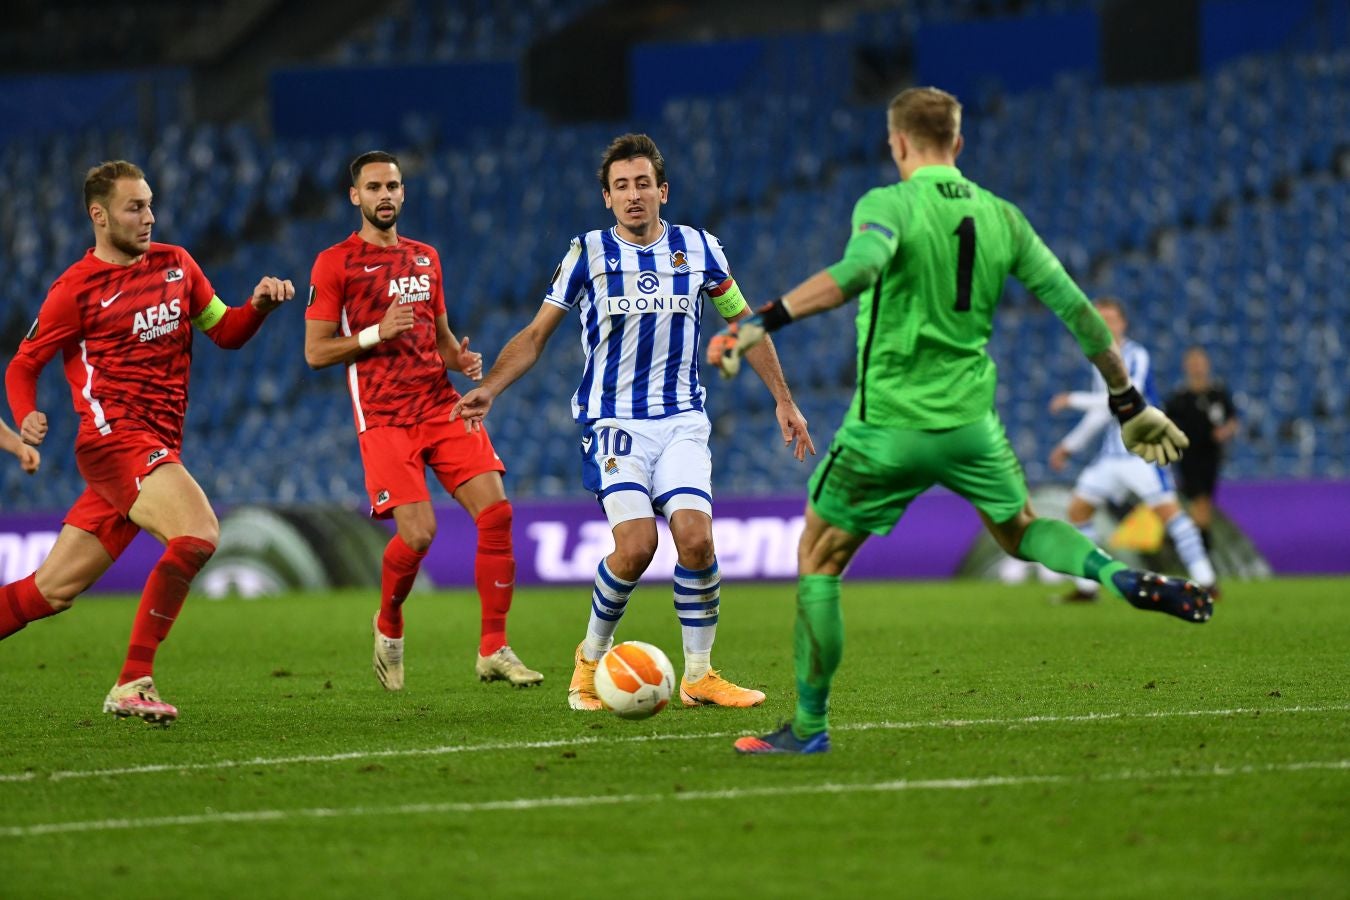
x=634 y=680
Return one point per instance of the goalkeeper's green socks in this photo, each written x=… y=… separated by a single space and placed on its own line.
x=1062 y=548
x=819 y=646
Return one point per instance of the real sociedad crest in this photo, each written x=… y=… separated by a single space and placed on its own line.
x=679 y=263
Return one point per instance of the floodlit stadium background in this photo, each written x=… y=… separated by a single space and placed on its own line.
x=1192 y=159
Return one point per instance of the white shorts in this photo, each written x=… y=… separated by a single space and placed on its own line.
x=640 y=467
x=1115 y=479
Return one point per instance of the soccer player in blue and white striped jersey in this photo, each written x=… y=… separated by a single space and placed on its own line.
x=639 y=287
x=1115 y=474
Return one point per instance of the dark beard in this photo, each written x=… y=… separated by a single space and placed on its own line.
x=383 y=226
x=126 y=246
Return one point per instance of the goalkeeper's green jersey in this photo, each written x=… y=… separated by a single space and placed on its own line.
x=944 y=247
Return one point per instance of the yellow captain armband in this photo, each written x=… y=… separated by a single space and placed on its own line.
x=728 y=299
x=208 y=318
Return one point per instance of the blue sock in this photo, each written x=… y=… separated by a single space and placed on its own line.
x=697 y=601
x=609 y=598
x=1191 y=548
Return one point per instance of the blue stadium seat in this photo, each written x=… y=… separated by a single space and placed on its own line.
x=1233 y=261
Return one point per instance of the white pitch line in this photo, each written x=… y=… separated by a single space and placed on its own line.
x=63 y=775
x=531 y=803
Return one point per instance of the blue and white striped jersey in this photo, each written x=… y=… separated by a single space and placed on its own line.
x=640 y=312
x=1098 y=415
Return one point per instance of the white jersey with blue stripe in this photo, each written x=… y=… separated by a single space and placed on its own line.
x=1097 y=414
x=640 y=312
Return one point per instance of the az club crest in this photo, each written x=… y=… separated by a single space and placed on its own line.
x=421 y=260
x=381 y=498
x=173 y=275
x=678 y=262
x=155 y=456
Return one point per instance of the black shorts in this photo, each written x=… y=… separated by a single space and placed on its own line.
x=1197 y=476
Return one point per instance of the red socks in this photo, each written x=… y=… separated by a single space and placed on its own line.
x=494 y=573
x=20 y=603
x=165 y=591
x=401 y=563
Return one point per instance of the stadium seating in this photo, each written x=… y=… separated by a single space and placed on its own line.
x=432 y=31
x=1216 y=210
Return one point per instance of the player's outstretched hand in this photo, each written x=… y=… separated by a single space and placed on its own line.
x=472 y=407
x=470 y=361
x=723 y=352
x=793 y=425
x=33 y=428
x=271 y=293
x=1059 y=458
x=29 y=459
x=398 y=319
x=1153 y=436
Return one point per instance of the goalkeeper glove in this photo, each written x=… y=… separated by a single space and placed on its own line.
x=729 y=344
x=1146 y=430
x=723 y=352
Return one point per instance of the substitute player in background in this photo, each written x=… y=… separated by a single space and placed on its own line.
x=639 y=287
x=1115 y=475
x=122 y=320
x=929 y=257
x=1204 y=410
x=28 y=457
x=377 y=306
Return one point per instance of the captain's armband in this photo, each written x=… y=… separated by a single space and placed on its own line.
x=210 y=317
x=728 y=299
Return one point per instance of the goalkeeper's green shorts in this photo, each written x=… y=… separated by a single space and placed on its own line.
x=867 y=480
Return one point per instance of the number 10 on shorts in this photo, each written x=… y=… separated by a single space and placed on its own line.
x=614 y=442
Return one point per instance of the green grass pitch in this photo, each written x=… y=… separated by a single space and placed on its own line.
x=986 y=743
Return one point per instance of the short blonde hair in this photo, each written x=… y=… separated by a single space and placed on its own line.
x=101 y=180
x=929 y=116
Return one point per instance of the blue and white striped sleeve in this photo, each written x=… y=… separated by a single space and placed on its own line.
x=716 y=269
x=1141 y=373
x=569 y=278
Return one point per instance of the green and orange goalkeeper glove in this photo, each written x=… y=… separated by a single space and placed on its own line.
x=1146 y=430
x=728 y=346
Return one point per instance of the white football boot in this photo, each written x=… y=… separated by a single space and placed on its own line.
x=504 y=665
x=388 y=659
x=139 y=698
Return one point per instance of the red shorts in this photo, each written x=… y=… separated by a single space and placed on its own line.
x=113 y=465
x=396 y=458
x=95 y=515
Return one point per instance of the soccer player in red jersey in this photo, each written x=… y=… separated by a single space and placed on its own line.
x=376 y=305
x=122 y=320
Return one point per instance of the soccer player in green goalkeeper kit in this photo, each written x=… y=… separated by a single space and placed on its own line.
x=927 y=258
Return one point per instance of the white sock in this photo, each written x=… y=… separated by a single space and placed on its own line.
x=696 y=665
x=697 y=600
x=1086 y=585
x=609 y=598
x=1191 y=548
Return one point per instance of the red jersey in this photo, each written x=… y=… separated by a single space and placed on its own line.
x=125 y=334
x=398 y=382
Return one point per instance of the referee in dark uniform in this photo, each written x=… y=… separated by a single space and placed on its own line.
x=1204 y=410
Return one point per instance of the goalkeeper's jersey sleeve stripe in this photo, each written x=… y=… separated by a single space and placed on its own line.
x=873 y=241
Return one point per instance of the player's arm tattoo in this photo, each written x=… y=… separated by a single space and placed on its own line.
x=1112 y=367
